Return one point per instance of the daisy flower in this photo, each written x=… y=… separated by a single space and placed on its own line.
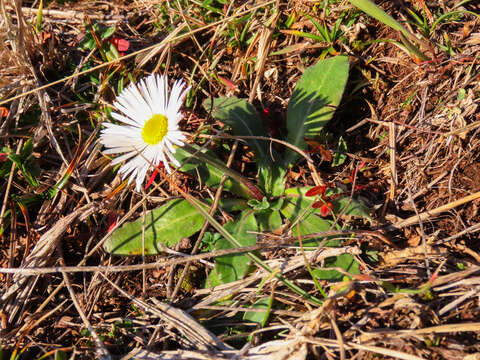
x=150 y=131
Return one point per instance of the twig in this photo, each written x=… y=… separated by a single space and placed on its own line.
x=422 y=231
x=29 y=271
x=284 y=143
x=432 y=213
x=393 y=160
x=101 y=350
x=471 y=229
x=70 y=15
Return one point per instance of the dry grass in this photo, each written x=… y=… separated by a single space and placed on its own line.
x=415 y=124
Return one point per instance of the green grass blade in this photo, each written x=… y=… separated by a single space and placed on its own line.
x=38 y=22
x=305 y=35
x=376 y=12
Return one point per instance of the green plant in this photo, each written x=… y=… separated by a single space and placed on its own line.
x=97 y=38
x=263 y=206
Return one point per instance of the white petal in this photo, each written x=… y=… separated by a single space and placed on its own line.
x=124 y=119
x=126 y=156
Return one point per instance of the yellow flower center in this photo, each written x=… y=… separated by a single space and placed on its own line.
x=155 y=129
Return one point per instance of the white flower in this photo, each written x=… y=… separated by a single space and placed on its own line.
x=151 y=127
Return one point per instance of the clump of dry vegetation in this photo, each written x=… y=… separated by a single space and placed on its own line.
x=400 y=277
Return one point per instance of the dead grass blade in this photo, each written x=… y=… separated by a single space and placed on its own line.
x=14 y=298
x=197 y=335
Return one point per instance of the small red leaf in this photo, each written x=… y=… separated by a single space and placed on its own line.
x=122 y=45
x=320 y=189
x=227 y=82
x=3 y=111
x=326 y=209
x=317 y=204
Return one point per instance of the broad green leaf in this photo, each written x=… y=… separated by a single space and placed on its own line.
x=355 y=208
x=211 y=173
x=166 y=225
x=230 y=204
x=268 y=220
x=313 y=102
x=345 y=261
x=297 y=205
x=243 y=118
x=258 y=317
x=308 y=222
x=271 y=177
x=234 y=242
x=235 y=267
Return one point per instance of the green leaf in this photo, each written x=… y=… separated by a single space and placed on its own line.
x=243 y=118
x=166 y=225
x=259 y=205
x=107 y=32
x=377 y=12
x=313 y=102
x=272 y=178
x=31 y=171
x=259 y=317
x=306 y=35
x=235 y=267
x=26 y=163
x=209 y=240
x=298 y=206
x=26 y=149
x=340 y=156
x=111 y=52
x=234 y=242
x=210 y=173
x=268 y=220
x=212 y=280
x=309 y=223
x=354 y=208
x=345 y=261
x=230 y=204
